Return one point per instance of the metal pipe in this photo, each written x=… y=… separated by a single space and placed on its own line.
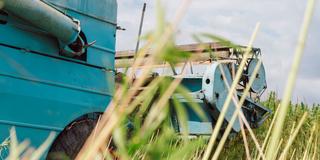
x=196 y=57
x=140 y=27
x=45 y=17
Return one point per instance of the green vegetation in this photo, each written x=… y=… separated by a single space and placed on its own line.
x=234 y=148
x=165 y=144
x=292 y=131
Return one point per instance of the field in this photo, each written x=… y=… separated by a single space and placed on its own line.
x=234 y=148
x=168 y=145
x=136 y=124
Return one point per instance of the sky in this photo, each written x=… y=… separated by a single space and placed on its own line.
x=235 y=20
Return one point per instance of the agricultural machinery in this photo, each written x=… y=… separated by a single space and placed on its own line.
x=57 y=73
x=208 y=75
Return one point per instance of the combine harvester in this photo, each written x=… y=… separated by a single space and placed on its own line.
x=203 y=77
x=56 y=69
x=57 y=73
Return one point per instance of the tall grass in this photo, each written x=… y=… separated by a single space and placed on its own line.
x=159 y=110
x=278 y=127
x=146 y=105
x=234 y=147
x=23 y=150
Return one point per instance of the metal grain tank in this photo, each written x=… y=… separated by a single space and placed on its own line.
x=56 y=64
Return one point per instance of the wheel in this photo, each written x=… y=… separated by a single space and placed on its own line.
x=69 y=143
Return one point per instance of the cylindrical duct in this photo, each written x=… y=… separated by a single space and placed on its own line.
x=45 y=17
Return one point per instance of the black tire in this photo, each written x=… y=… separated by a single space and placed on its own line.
x=69 y=143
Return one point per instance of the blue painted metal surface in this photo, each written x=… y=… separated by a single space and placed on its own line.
x=260 y=83
x=216 y=91
x=210 y=92
x=98 y=21
x=42 y=91
x=43 y=16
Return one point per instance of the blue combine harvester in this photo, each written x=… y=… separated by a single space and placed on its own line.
x=56 y=65
x=57 y=72
x=203 y=77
